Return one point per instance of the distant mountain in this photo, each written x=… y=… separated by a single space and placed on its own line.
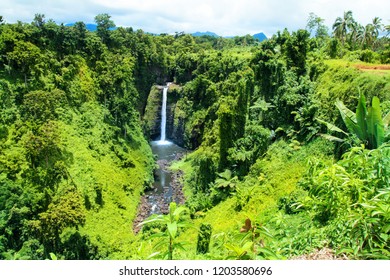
x=89 y=26
x=260 y=36
x=207 y=33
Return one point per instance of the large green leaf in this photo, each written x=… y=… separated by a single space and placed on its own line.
x=153 y=219
x=172 y=209
x=331 y=138
x=178 y=211
x=172 y=229
x=349 y=119
x=332 y=127
x=386 y=121
x=379 y=134
x=361 y=117
x=375 y=129
x=386 y=125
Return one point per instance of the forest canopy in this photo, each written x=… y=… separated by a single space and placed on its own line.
x=288 y=138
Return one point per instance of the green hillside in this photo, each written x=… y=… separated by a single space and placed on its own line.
x=288 y=143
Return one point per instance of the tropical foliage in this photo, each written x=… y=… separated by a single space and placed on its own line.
x=78 y=108
x=172 y=224
x=366 y=125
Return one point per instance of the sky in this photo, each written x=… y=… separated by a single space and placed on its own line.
x=224 y=17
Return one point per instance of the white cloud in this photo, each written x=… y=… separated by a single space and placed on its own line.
x=225 y=17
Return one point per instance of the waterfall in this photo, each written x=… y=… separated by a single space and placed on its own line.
x=164 y=116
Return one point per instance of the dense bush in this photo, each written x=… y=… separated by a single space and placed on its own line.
x=76 y=108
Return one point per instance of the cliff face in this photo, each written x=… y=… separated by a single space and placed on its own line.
x=176 y=128
x=152 y=117
x=175 y=117
x=176 y=125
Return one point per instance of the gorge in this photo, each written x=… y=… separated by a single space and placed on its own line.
x=167 y=186
x=88 y=130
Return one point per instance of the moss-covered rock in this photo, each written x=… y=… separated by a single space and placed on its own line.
x=176 y=117
x=152 y=115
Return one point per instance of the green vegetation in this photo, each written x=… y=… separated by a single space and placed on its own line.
x=172 y=223
x=73 y=158
x=366 y=126
x=78 y=108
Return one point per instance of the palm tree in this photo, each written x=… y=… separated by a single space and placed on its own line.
x=353 y=36
x=387 y=28
x=341 y=25
x=377 y=26
x=365 y=34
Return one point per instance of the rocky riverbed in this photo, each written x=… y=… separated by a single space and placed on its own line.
x=161 y=203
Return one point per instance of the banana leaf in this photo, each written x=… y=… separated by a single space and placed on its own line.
x=375 y=128
x=361 y=117
x=349 y=119
x=386 y=120
x=331 y=138
x=332 y=127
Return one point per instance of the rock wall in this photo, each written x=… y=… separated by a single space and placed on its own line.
x=176 y=118
x=152 y=117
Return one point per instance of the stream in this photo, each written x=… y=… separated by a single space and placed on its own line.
x=167 y=185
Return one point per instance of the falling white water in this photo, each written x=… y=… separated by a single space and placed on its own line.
x=164 y=117
x=164 y=114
